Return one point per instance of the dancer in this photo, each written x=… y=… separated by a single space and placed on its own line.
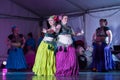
x=66 y=59
x=45 y=58
x=102 y=57
x=16 y=59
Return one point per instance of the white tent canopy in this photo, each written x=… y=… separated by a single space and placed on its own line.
x=50 y=7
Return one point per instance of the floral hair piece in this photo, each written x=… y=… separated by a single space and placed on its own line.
x=54 y=17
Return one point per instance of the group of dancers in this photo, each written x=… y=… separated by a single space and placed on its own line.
x=56 y=53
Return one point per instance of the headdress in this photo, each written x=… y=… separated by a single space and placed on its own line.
x=54 y=17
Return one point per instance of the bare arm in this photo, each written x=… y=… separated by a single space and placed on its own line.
x=94 y=37
x=8 y=43
x=80 y=33
x=12 y=44
x=58 y=27
x=44 y=30
x=23 y=43
x=109 y=33
x=50 y=31
x=56 y=30
x=77 y=34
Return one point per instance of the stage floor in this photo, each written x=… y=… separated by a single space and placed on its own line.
x=114 y=75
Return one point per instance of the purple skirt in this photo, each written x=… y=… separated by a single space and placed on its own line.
x=66 y=62
x=102 y=58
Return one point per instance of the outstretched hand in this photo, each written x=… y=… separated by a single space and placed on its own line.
x=50 y=31
x=44 y=30
x=80 y=33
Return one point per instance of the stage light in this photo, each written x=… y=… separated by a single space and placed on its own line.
x=4 y=70
x=4 y=62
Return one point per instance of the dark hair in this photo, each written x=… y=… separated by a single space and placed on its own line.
x=62 y=15
x=48 y=25
x=30 y=34
x=104 y=20
x=13 y=27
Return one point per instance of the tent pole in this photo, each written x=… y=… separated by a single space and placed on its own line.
x=84 y=28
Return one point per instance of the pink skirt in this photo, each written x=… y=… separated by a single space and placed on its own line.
x=66 y=62
x=30 y=58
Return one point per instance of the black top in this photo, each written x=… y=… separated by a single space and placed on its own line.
x=16 y=39
x=65 y=29
x=101 y=31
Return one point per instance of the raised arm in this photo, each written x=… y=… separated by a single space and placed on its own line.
x=44 y=30
x=58 y=27
x=77 y=34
